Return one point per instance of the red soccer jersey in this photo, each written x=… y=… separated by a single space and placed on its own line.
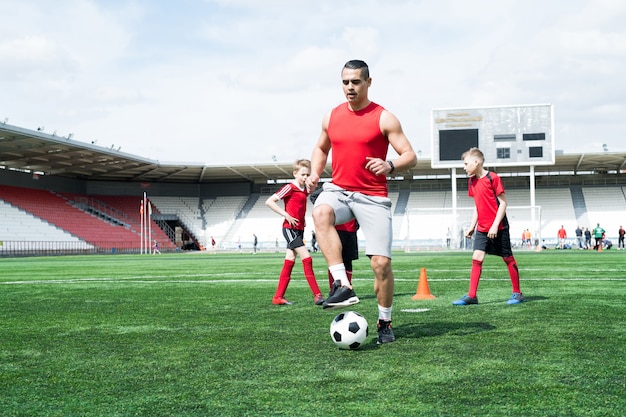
x=354 y=136
x=295 y=204
x=484 y=192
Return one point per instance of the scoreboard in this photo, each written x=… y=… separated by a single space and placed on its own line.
x=507 y=135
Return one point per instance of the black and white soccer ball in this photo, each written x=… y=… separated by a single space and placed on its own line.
x=349 y=330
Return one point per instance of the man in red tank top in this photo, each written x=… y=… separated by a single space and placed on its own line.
x=359 y=132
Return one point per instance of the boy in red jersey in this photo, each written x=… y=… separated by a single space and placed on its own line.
x=294 y=195
x=359 y=133
x=489 y=226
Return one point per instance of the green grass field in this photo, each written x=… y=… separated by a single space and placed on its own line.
x=197 y=335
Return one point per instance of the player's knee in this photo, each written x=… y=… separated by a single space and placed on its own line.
x=381 y=265
x=478 y=256
x=323 y=215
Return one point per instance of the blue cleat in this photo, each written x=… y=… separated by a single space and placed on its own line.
x=465 y=300
x=516 y=298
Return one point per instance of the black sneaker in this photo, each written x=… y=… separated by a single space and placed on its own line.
x=340 y=297
x=385 y=332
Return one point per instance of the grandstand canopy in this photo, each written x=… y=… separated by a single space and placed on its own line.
x=38 y=152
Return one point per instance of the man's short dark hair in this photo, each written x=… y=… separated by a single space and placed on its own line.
x=358 y=64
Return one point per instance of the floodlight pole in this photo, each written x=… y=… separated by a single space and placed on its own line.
x=533 y=219
x=146 y=235
x=454 y=206
x=141 y=228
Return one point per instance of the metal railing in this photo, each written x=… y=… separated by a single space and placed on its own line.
x=16 y=248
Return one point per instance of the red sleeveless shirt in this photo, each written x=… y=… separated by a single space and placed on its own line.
x=354 y=136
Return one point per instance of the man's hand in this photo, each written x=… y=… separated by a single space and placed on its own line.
x=377 y=166
x=311 y=183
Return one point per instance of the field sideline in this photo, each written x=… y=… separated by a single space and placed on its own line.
x=196 y=334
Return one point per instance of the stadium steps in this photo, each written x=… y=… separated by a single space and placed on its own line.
x=254 y=197
x=578 y=200
x=402 y=202
x=241 y=215
x=220 y=214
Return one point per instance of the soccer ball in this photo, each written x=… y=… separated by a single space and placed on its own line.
x=348 y=330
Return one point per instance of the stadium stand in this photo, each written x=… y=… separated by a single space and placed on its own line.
x=605 y=205
x=16 y=222
x=103 y=221
x=128 y=209
x=94 y=227
x=187 y=210
x=90 y=195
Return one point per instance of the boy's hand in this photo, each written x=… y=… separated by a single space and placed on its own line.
x=291 y=220
x=469 y=233
x=493 y=231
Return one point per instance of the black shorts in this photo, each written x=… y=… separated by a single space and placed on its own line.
x=500 y=246
x=349 y=245
x=294 y=238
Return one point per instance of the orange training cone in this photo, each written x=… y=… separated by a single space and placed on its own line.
x=600 y=247
x=423 y=292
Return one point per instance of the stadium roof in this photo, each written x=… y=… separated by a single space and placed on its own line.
x=38 y=152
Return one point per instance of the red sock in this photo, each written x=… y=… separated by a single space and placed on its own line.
x=310 y=275
x=513 y=272
x=477 y=267
x=285 y=277
x=349 y=274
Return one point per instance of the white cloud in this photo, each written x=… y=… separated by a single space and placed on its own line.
x=236 y=81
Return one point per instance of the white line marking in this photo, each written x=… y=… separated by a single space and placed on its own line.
x=159 y=280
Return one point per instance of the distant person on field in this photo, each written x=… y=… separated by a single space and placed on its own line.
x=489 y=226
x=562 y=235
x=313 y=241
x=255 y=243
x=579 y=237
x=527 y=238
x=294 y=196
x=155 y=248
x=587 y=238
x=620 y=239
x=598 y=235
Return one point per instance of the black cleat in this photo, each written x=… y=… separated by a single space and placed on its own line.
x=340 y=297
x=385 y=332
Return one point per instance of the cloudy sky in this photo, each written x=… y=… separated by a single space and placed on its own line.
x=248 y=81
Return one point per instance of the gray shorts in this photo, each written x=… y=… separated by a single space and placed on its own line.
x=372 y=213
